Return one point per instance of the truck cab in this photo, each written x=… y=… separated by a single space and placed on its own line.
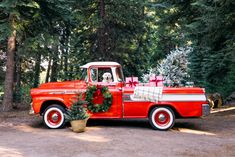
x=107 y=74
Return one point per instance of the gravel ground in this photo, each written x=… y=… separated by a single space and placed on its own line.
x=22 y=135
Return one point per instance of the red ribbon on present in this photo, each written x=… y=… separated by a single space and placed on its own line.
x=132 y=83
x=156 y=80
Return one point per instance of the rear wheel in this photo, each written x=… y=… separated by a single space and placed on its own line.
x=162 y=118
x=53 y=117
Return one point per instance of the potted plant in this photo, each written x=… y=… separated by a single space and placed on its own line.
x=77 y=115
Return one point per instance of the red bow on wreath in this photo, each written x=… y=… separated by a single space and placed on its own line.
x=98 y=92
x=98 y=95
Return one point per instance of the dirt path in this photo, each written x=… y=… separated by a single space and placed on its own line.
x=22 y=135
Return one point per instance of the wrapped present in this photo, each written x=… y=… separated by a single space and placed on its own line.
x=131 y=81
x=156 y=81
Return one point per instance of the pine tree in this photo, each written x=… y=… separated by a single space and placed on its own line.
x=175 y=66
x=213 y=51
x=13 y=21
x=113 y=30
x=208 y=27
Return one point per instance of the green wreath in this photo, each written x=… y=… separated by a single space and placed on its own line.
x=107 y=102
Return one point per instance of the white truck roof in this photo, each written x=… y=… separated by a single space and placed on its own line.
x=100 y=64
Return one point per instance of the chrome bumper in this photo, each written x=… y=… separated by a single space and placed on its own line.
x=205 y=109
x=31 y=111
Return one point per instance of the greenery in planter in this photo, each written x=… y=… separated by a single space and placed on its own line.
x=77 y=111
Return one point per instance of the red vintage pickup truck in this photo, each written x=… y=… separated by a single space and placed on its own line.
x=50 y=100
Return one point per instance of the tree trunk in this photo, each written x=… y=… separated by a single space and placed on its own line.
x=66 y=64
x=66 y=52
x=37 y=70
x=101 y=31
x=48 y=70
x=17 y=80
x=9 y=78
x=54 y=67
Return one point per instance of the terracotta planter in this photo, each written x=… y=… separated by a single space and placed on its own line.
x=79 y=125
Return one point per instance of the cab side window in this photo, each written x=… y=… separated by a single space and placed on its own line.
x=94 y=74
x=101 y=75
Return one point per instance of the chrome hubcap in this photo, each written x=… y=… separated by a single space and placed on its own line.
x=161 y=117
x=55 y=117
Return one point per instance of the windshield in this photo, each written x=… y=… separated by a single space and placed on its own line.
x=119 y=74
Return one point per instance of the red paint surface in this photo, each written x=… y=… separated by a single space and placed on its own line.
x=168 y=90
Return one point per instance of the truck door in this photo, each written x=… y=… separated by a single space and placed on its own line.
x=112 y=78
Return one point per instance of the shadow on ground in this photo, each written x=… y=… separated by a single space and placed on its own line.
x=129 y=123
x=219 y=121
x=133 y=123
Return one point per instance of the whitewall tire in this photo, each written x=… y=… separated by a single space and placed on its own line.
x=53 y=117
x=162 y=118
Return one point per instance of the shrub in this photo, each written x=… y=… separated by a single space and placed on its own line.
x=77 y=111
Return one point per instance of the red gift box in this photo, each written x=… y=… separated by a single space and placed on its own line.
x=131 y=81
x=156 y=81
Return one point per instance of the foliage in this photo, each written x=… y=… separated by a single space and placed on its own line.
x=151 y=72
x=56 y=37
x=175 y=66
x=98 y=91
x=77 y=111
x=170 y=26
x=213 y=59
x=208 y=27
x=113 y=30
x=25 y=97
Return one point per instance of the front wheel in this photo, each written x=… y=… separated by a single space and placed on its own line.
x=162 y=118
x=53 y=117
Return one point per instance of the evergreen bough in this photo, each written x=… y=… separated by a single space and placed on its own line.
x=175 y=66
x=77 y=111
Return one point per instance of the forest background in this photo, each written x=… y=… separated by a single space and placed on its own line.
x=55 y=37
